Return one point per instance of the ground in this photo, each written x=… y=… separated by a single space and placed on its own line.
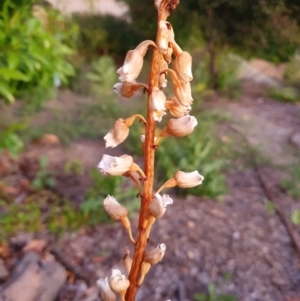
x=238 y=243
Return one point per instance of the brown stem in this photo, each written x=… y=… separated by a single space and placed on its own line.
x=145 y=219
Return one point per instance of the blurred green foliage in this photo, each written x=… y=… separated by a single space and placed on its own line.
x=295 y=217
x=10 y=141
x=213 y=296
x=33 y=53
x=292 y=182
x=44 y=177
x=200 y=151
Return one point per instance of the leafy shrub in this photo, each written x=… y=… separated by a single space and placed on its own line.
x=201 y=152
x=285 y=94
x=292 y=71
x=32 y=57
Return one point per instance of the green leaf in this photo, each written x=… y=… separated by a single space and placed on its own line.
x=6 y=92
x=295 y=217
x=9 y=74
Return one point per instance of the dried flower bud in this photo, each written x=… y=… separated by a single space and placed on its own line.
x=182 y=63
x=176 y=109
x=114 y=208
x=156 y=255
x=180 y=127
x=188 y=179
x=134 y=62
x=157 y=101
x=127 y=261
x=127 y=90
x=106 y=293
x=182 y=89
x=118 y=282
x=159 y=204
x=144 y=270
x=165 y=34
x=117 y=134
x=115 y=166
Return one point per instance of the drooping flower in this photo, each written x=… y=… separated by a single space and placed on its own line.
x=118 y=282
x=133 y=62
x=120 y=130
x=182 y=89
x=127 y=261
x=176 y=109
x=127 y=90
x=158 y=205
x=117 y=134
x=165 y=34
x=157 y=101
x=182 y=63
x=115 y=166
x=105 y=291
x=156 y=255
x=179 y=127
x=118 y=213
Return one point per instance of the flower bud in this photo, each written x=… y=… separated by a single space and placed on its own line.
x=165 y=34
x=127 y=261
x=157 y=101
x=176 y=109
x=159 y=204
x=168 y=55
x=133 y=62
x=118 y=282
x=127 y=90
x=188 y=179
x=182 y=89
x=115 y=166
x=180 y=127
x=117 y=134
x=144 y=270
x=156 y=255
x=118 y=213
x=114 y=208
x=182 y=63
x=106 y=293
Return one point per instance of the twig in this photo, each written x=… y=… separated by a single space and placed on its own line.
x=267 y=191
x=76 y=270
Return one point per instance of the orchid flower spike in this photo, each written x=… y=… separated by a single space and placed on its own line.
x=165 y=35
x=118 y=213
x=176 y=109
x=158 y=205
x=134 y=62
x=179 y=127
x=184 y=180
x=120 y=131
x=157 y=101
x=119 y=283
x=182 y=63
x=105 y=291
x=127 y=90
x=182 y=90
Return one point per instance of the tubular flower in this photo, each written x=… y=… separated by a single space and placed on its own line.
x=162 y=77
x=105 y=291
x=118 y=213
x=165 y=34
x=144 y=270
x=119 y=283
x=157 y=101
x=120 y=130
x=158 y=205
x=156 y=255
x=115 y=166
x=176 y=109
x=180 y=127
x=182 y=90
x=127 y=261
x=134 y=62
x=182 y=63
x=127 y=90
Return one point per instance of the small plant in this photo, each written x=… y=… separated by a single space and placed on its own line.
x=213 y=296
x=292 y=183
x=10 y=141
x=44 y=177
